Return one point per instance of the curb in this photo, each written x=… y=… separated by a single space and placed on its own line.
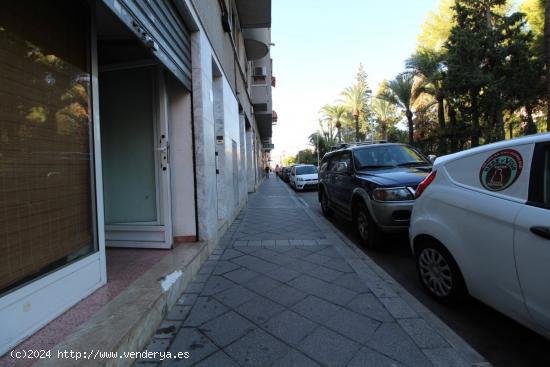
x=362 y=263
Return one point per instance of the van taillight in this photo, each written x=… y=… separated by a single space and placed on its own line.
x=424 y=185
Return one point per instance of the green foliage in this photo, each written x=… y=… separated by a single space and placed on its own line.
x=289 y=161
x=306 y=156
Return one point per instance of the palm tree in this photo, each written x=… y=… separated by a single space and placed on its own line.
x=385 y=115
x=428 y=66
x=401 y=93
x=334 y=115
x=356 y=100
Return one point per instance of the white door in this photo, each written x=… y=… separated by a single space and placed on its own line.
x=136 y=181
x=532 y=241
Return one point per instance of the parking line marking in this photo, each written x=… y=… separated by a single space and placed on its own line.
x=303 y=202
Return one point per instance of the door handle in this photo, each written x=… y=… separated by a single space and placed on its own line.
x=541 y=231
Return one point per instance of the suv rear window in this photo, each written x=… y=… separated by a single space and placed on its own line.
x=388 y=156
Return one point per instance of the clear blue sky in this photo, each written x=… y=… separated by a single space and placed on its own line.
x=319 y=45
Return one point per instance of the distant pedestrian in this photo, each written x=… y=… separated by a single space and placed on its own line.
x=267 y=171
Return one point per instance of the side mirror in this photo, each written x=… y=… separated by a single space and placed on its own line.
x=432 y=157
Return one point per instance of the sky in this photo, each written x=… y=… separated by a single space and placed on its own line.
x=318 y=47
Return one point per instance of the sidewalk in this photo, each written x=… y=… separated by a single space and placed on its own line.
x=283 y=289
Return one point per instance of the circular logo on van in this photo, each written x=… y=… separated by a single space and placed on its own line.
x=501 y=170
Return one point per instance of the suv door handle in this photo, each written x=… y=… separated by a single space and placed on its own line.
x=541 y=231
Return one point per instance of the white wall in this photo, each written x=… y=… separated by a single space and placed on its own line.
x=181 y=160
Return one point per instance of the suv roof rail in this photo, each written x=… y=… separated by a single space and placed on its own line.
x=357 y=143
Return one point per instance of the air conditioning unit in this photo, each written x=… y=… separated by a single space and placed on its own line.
x=260 y=71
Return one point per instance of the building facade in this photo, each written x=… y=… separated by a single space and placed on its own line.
x=123 y=124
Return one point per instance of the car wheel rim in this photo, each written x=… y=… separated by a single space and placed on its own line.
x=362 y=225
x=435 y=272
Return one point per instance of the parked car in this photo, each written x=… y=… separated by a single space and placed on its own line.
x=373 y=185
x=285 y=174
x=481 y=226
x=304 y=176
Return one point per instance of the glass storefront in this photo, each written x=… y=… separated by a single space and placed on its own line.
x=46 y=161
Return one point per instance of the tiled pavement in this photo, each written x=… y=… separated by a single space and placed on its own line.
x=280 y=291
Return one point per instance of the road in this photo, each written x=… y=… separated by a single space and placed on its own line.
x=502 y=341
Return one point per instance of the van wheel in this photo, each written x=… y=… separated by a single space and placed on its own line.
x=327 y=211
x=439 y=273
x=368 y=231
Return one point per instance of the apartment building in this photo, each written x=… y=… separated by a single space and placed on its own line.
x=129 y=129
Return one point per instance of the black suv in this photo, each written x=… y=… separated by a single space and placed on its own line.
x=373 y=185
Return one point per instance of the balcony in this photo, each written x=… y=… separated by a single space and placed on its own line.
x=256 y=42
x=254 y=13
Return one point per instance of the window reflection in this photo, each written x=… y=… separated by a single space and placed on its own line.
x=45 y=119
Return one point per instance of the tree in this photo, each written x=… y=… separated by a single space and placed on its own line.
x=429 y=67
x=400 y=92
x=334 y=116
x=356 y=99
x=437 y=28
x=386 y=116
x=306 y=156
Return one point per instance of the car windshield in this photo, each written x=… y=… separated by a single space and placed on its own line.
x=306 y=170
x=387 y=156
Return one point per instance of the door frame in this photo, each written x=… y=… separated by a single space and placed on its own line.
x=155 y=234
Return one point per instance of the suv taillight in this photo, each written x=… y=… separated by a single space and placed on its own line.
x=424 y=185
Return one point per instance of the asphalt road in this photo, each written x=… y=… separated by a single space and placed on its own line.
x=502 y=341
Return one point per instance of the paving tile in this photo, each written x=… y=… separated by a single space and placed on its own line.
x=339 y=265
x=352 y=282
x=316 y=309
x=322 y=289
x=445 y=357
x=230 y=254
x=268 y=243
x=261 y=284
x=224 y=267
x=187 y=299
x=257 y=348
x=227 y=328
x=296 y=359
x=299 y=252
x=367 y=357
x=391 y=340
x=216 y=360
x=422 y=333
x=286 y=295
x=296 y=242
x=398 y=308
x=216 y=284
x=325 y=274
x=329 y=348
x=289 y=326
x=368 y=305
x=168 y=329
x=205 y=308
x=255 y=264
x=256 y=243
x=282 y=249
x=301 y=266
x=195 y=287
x=235 y=296
x=353 y=325
x=178 y=313
x=317 y=258
x=283 y=274
x=282 y=243
x=240 y=275
x=259 y=309
x=281 y=259
x=192 y=341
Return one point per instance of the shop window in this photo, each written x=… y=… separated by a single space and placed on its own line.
x=46 y=200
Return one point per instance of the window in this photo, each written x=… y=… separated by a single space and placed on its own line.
x=306 y=170
x=384 y=156
x=539 y=187
x=46 y=201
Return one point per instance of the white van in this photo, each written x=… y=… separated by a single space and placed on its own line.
x=481 y=225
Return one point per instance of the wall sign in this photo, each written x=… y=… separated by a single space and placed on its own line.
x=501 y=170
